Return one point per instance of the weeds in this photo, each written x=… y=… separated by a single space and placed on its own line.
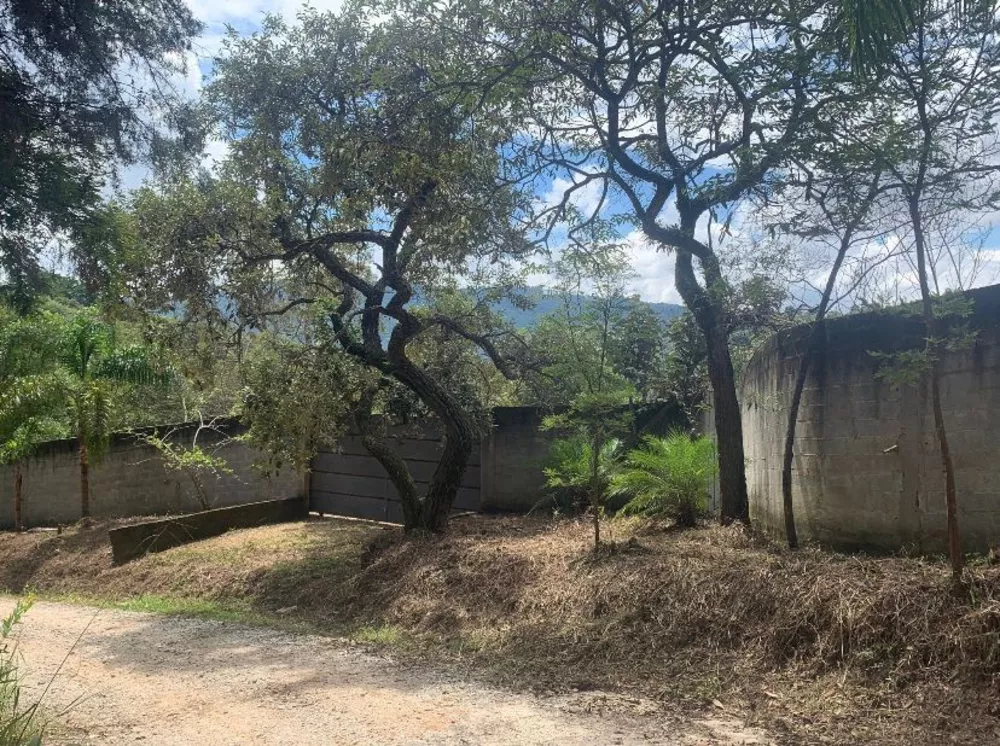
x=18 y=724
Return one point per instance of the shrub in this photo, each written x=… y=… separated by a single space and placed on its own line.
x=18 y=725
x=667 y=476
x=568 y=475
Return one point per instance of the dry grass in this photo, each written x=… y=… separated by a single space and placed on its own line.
x=828 y=648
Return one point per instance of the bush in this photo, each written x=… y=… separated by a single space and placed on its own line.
x=667 y=476
x=18 y=725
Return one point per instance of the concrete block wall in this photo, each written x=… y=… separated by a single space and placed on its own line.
x=867 y=471
x=131 y=480
x=513 y=459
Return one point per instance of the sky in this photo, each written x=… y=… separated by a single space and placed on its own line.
x=653 y=278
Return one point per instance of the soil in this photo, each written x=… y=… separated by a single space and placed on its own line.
x=116 y=677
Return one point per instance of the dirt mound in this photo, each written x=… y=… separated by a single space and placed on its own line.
x=841 y=649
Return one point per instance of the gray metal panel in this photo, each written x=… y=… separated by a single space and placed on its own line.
x=357 y=507
x=379 y=487
x=335 y=464
x=408 y=448
x=352 y=482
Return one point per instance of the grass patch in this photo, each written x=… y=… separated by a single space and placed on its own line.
x=828 y=647
x=382 y=634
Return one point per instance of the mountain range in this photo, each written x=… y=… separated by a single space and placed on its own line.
x=547 y=302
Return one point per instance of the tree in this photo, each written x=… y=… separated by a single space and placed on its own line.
x=353 y=182
x=94 y=366
x=679 y=111
x=942 y=97
x=30 y=393
x=192 y=461
x=579 y=344
x=842 y=195
x=86 y=85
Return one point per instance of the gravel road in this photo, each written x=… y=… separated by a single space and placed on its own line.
x=133 y=678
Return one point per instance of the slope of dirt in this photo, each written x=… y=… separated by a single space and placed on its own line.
x=121 y=677
x=824 y=648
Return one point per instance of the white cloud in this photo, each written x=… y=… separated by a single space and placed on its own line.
x=250 y=12
x=654 y=270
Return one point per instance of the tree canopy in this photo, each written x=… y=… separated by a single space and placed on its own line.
x=85 y=85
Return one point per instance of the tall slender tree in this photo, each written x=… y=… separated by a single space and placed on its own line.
x=94 y=367
x=676 y=112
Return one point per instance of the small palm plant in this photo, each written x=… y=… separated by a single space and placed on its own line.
x=667 y=476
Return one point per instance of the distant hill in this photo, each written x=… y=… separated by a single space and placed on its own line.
x=545 y=303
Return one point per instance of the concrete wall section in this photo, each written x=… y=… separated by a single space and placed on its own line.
x=867 y=469
x=131 y=480
x=513 y=459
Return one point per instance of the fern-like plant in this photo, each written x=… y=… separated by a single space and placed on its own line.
x=667 y=476
x=569 y=475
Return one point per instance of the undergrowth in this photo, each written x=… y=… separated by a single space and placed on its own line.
x=839 y=649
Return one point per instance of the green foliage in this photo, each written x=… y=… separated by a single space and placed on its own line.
x=95 y=370
x=193 y=461
x=31 y=386
x=909 y=367
x=18 y=723
x=71 y=113
x=569 y=477
x=298 y=398
x=667 y=476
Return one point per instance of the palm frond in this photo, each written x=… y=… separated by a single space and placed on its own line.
x=873 y=27
x=667 y=476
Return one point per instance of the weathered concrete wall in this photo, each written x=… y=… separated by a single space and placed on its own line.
x=131 y=480
x=867 y=470
x=513 y=458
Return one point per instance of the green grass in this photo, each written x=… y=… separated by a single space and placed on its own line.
x=168 y=606
x=382 y=634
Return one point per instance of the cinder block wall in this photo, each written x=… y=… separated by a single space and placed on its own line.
x=131 y=480
x=513 y=459
x=867 y=469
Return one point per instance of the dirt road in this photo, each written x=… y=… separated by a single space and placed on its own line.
x=138 y=678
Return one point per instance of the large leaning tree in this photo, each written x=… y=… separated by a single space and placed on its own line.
x=361 y=189
x=85 y=85
x=675 y=111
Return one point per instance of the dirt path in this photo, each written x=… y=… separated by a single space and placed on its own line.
x=140 y=678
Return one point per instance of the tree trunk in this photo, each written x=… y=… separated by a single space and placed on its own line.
x=931 y=346
x=734 y=504
x=431 y=512
x=791 y=535
x=447 y=478
x=595 y=487
x=18 y=497
x=84 y=481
